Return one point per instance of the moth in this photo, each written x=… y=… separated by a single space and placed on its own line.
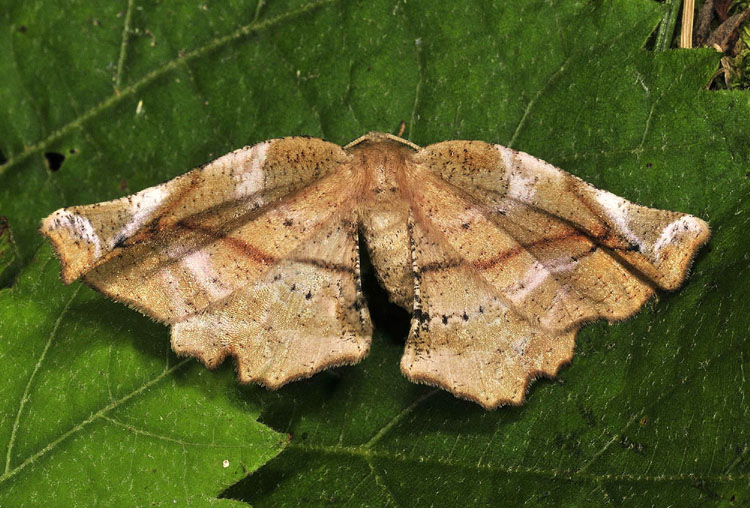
x=500 y=257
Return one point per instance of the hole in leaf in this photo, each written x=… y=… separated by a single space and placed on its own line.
x=73 y=151
x=3 y=158
x=54 y=160
x=22 y=29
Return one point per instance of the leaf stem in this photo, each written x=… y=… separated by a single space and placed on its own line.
x=666 y=27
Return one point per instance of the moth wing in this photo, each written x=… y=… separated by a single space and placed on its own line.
x=524 y=253
x=305 y=314
x=517 y=188
x=253 y=255
x=465 y=338
x=200 y=235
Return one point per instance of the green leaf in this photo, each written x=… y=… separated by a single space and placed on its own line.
x=95 y=408
x=652 y=411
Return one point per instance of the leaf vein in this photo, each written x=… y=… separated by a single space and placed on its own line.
x=381 y=483
x=32 y=377
x=123 y=45
x=396 y=419
x=142 y=432
x=606 y=446
x=534 y=100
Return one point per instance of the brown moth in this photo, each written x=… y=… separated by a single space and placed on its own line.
x=500 y=257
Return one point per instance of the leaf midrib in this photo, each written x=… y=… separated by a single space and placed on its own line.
x=367 y=454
